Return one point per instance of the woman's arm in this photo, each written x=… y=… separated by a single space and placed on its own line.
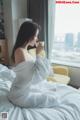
x=42 y=64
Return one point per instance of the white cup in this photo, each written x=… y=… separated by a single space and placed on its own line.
x=42 y=43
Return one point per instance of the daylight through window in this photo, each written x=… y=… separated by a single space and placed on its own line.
x=66 y=39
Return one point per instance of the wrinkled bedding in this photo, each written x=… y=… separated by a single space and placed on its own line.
x=62 y=102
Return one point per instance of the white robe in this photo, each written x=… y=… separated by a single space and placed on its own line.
x=27 y=88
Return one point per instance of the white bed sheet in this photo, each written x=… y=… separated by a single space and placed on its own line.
x=69 y=109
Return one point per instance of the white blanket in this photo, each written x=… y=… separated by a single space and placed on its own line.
x=67 y=107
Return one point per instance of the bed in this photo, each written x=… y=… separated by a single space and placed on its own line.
x=68 y=107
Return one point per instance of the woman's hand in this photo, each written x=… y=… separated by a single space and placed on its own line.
x=39 y=47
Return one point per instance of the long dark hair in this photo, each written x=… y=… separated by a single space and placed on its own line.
x=27 y=30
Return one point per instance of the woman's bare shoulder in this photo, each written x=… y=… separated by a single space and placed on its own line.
x=19 y=55
x=19 y=50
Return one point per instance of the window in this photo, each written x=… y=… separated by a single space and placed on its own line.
x=65 y=37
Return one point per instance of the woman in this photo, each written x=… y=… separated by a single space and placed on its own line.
x=29 y=72
x=27 y=36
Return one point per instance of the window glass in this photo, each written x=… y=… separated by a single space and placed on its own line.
x=66 y=39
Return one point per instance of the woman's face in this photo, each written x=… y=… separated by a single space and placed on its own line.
x=34 y=39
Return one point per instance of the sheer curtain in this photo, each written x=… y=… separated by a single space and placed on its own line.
x=51 y=22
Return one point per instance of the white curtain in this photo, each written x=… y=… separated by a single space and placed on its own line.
x=51 y=22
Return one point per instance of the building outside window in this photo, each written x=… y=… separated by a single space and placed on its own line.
x=65 y=37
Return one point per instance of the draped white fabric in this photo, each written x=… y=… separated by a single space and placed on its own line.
x=26 y=89
x=43 y=100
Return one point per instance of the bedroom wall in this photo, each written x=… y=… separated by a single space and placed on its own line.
x=8 y=22
x=13 y=11
x=19 y=10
